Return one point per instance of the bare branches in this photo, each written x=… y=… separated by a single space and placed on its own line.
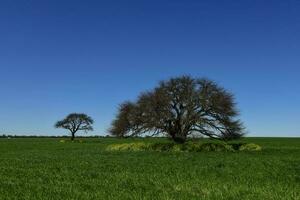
x=177 y=108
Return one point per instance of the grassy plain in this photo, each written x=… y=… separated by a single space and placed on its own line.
x=44 y=168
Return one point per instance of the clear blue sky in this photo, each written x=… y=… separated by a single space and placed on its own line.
x=58 y=57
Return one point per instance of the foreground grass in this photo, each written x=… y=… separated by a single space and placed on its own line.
x=47 y=169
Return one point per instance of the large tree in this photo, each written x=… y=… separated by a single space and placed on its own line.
x=178 y=108
x=76 y=122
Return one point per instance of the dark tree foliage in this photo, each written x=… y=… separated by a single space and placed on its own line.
x=121 y=126
x=178 y=108
x=76 y=122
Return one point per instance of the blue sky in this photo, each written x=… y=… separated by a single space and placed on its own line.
x=58 y=57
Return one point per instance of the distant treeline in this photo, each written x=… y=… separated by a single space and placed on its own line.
x=67 y=136
x=39 y=136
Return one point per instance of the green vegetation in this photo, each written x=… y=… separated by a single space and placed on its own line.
x=186 y=147
x=250 y=147
x=50 y=169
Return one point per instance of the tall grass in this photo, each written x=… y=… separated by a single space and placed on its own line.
x=48 y=169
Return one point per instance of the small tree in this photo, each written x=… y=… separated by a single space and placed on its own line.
x=76 y=122
x=181 y=107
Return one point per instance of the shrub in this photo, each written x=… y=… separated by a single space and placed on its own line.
x=236 y=146
x=250 y=147
x=216 y=147
x=177 y=148
x=140 y=146
x=187 y=147
x=191 y=147
x=198 y=147
x=162 y=146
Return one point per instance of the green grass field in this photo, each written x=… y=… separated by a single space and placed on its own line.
x=47 y=169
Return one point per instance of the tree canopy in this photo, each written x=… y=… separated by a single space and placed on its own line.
x=76 y=122
x=180 y=107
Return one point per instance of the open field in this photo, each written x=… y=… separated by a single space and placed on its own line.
x=44 y=168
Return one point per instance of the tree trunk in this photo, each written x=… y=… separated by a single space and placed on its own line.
x=178 y=138
x=178 y=135
x=73 y=136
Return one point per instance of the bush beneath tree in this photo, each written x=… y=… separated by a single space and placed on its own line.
x=186 y=147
